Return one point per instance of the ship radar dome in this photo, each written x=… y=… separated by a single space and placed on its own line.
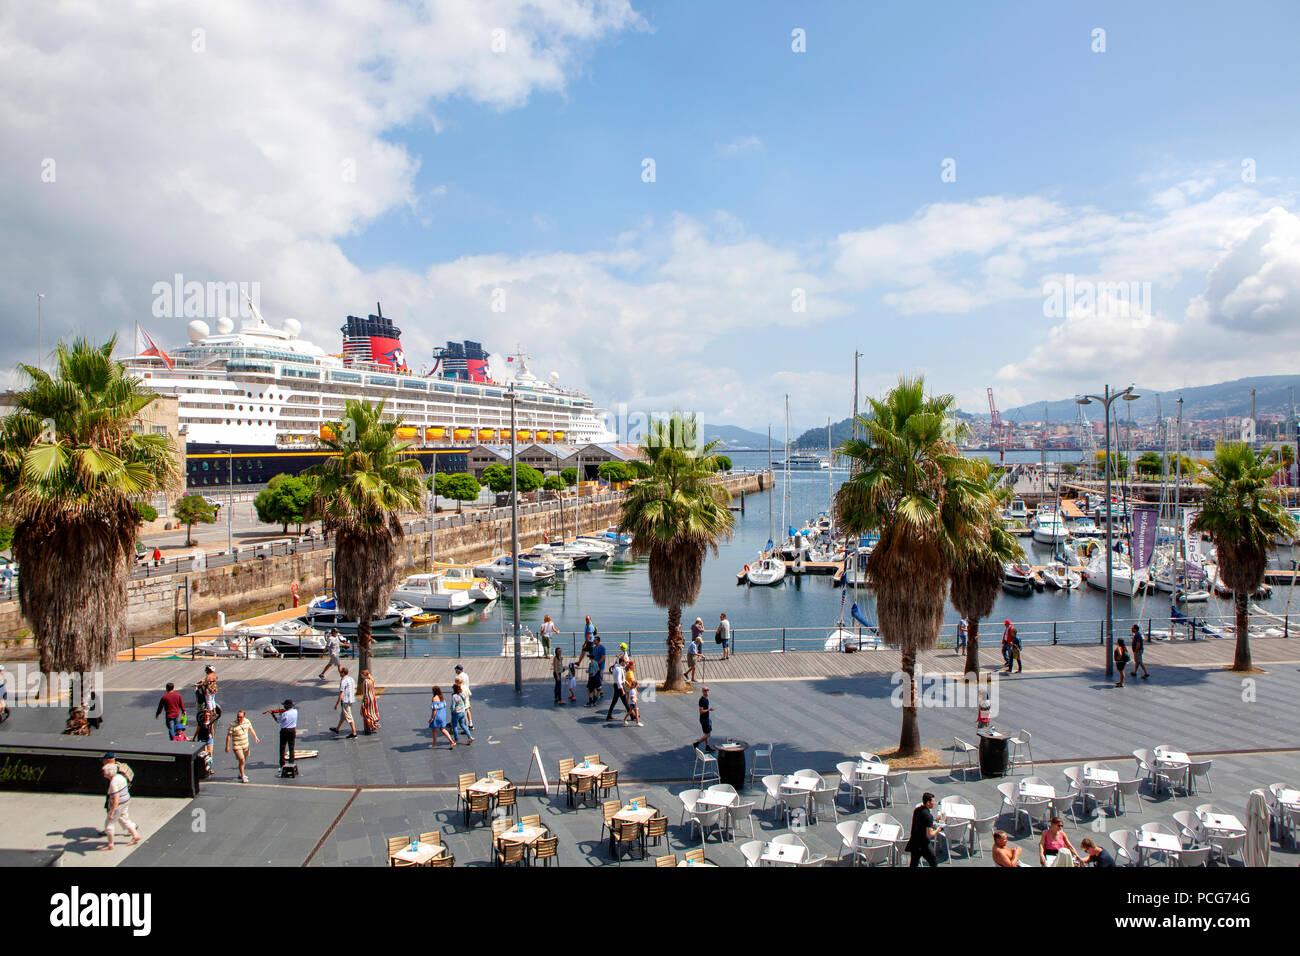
x=554 y=378
x=198 y=331
x=293 y=327
x=225 y=325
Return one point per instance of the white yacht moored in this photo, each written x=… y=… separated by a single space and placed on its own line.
x=430 y=592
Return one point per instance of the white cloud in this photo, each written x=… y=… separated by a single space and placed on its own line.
x=746 y=144
x=1255 y=287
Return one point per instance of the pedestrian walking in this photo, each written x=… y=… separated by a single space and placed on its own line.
x=287 y=719
x=962 y=629
x=157 y=556
x=369 y=702
x=1007 y=631
x=118 y=803
x=557 y=671
x=205 y=694
x=438 y=718
x=172 y=708
x=573 y=682
x=332 y=644
x=1015 y=652
x=1138 y=643
x=694 y=651
x=1121 y=661
x=598 y=655
x=923 y=832
x=593 y=682
x=697 y=629
x=204 y=736
x=723 y=635
x=706 y=720
x=588 y=631
x=460 y=715
x=343 y=704
x=548 y=630
x=633 y=696
x=237 y=741
x=619 y=674
x=462 y=678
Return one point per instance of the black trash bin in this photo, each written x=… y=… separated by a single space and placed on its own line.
x=994 y=753
x=731 y=763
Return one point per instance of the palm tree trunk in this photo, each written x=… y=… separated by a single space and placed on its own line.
x=1241 y=661
x=973 y=647
x=363 y=639
x=909 y=738
x=676 y=679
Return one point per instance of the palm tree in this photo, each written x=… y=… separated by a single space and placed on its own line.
x=984 y=546
x=72 y=468
x=1242 y=512
x=363 y=488
x=901 y=474
x=675 y=515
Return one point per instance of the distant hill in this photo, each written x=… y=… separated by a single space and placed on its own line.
x=1224 y=400
x=814 y=439
x=733 y=437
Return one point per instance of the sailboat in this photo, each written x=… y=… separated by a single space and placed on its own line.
x=866 y=638
x=768 y=569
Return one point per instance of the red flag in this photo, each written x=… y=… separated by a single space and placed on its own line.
x=145 y=346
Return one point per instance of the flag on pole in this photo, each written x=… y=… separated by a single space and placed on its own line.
x=145 y=346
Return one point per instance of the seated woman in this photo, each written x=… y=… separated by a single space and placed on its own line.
x=1054 y=840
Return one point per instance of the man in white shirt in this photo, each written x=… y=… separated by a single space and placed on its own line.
x=287 y=718
x=724 y=632
x=347 y=695
x=619 y=674
x=462 y=678
x=332 y=645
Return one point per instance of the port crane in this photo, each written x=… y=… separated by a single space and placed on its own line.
x=1000 y=427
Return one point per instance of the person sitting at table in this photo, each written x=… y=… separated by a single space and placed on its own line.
x=1053 y=841
x=1004 y=855
x=1095 y=855
x=923 y=832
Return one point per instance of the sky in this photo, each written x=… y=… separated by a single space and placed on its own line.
x=674 y=205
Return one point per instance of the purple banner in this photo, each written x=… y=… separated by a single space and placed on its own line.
x=1142 y=537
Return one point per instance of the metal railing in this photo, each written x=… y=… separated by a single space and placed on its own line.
x=419 y=643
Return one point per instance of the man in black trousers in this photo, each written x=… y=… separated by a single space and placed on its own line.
x=923 y=831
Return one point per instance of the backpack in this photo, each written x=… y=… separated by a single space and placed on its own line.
x=717 y=635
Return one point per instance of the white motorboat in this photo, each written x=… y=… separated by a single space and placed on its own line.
x=1048 y=526
x=576 y=555
x=1086 y=528
x=501 y=569
x=232 y=644
x=766 y=570
x=612 y=544
x=597 y=550
x=559 y=563
x=323 y=611
x=461 y=577
x=290 y=638
x=1061 y=577
x=1016 y=511
x=848 y=639
x=429 y=591
x=530 y=645
x=1017 y=578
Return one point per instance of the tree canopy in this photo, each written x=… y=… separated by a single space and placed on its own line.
x=192 y=510
x=286 y=500
x=497 y=477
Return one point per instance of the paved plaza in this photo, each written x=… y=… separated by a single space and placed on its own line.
x=358 y=792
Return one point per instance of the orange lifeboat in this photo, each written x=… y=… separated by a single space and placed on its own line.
x=486 y=434
x=327 y=433
x=543 y=436
x=524 y=435
x=460 y=434
x=504 y=434
x=559 y=436
x=407 y=432
x=435 y=433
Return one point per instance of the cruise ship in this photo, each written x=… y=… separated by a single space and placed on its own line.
x=254 y=402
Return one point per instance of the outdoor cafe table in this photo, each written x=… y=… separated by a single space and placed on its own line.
x=1038 y=791
x=717 y=798
x=1224 y=823
x=880 y=832
x=791 y=853
x=731 y=762
x=1100 y=775
x=488 y=785
x=595 y=770
x=1289 y=798
x=1161 y=842
x=419 y=853
x=527 y=836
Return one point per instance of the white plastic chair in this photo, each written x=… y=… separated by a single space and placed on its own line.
x=847 y=770
x=701 y=770
x=1126 y=848
x=962 y=751
x=824 y=799
x=741 y=812
x=981 y=826
x=1201 y=768
x=705 y=819
x=688 y=798
x=1022 y=752
x=751 y=851
x=1192 y=832
x=1128 y=788
x=762 y=752
x=848 y=831
x=1195 y=856
x=772 y=788
x=893 y=780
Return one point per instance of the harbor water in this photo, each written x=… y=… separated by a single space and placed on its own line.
x=798 y=613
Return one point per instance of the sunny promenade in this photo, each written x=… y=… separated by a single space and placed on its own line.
x=819 y=708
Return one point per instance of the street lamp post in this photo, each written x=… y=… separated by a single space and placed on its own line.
x=230 y=503
x=514 y=546
x=1106 y=400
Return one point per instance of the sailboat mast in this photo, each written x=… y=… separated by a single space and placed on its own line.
x=770 y=530
x=785 y=483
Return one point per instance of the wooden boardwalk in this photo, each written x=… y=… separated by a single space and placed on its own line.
x=750 y=667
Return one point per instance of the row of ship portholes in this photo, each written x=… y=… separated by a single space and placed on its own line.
x=224 y=466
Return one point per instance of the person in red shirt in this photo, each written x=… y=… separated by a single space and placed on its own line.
x=174 y=706
x=157 y=557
